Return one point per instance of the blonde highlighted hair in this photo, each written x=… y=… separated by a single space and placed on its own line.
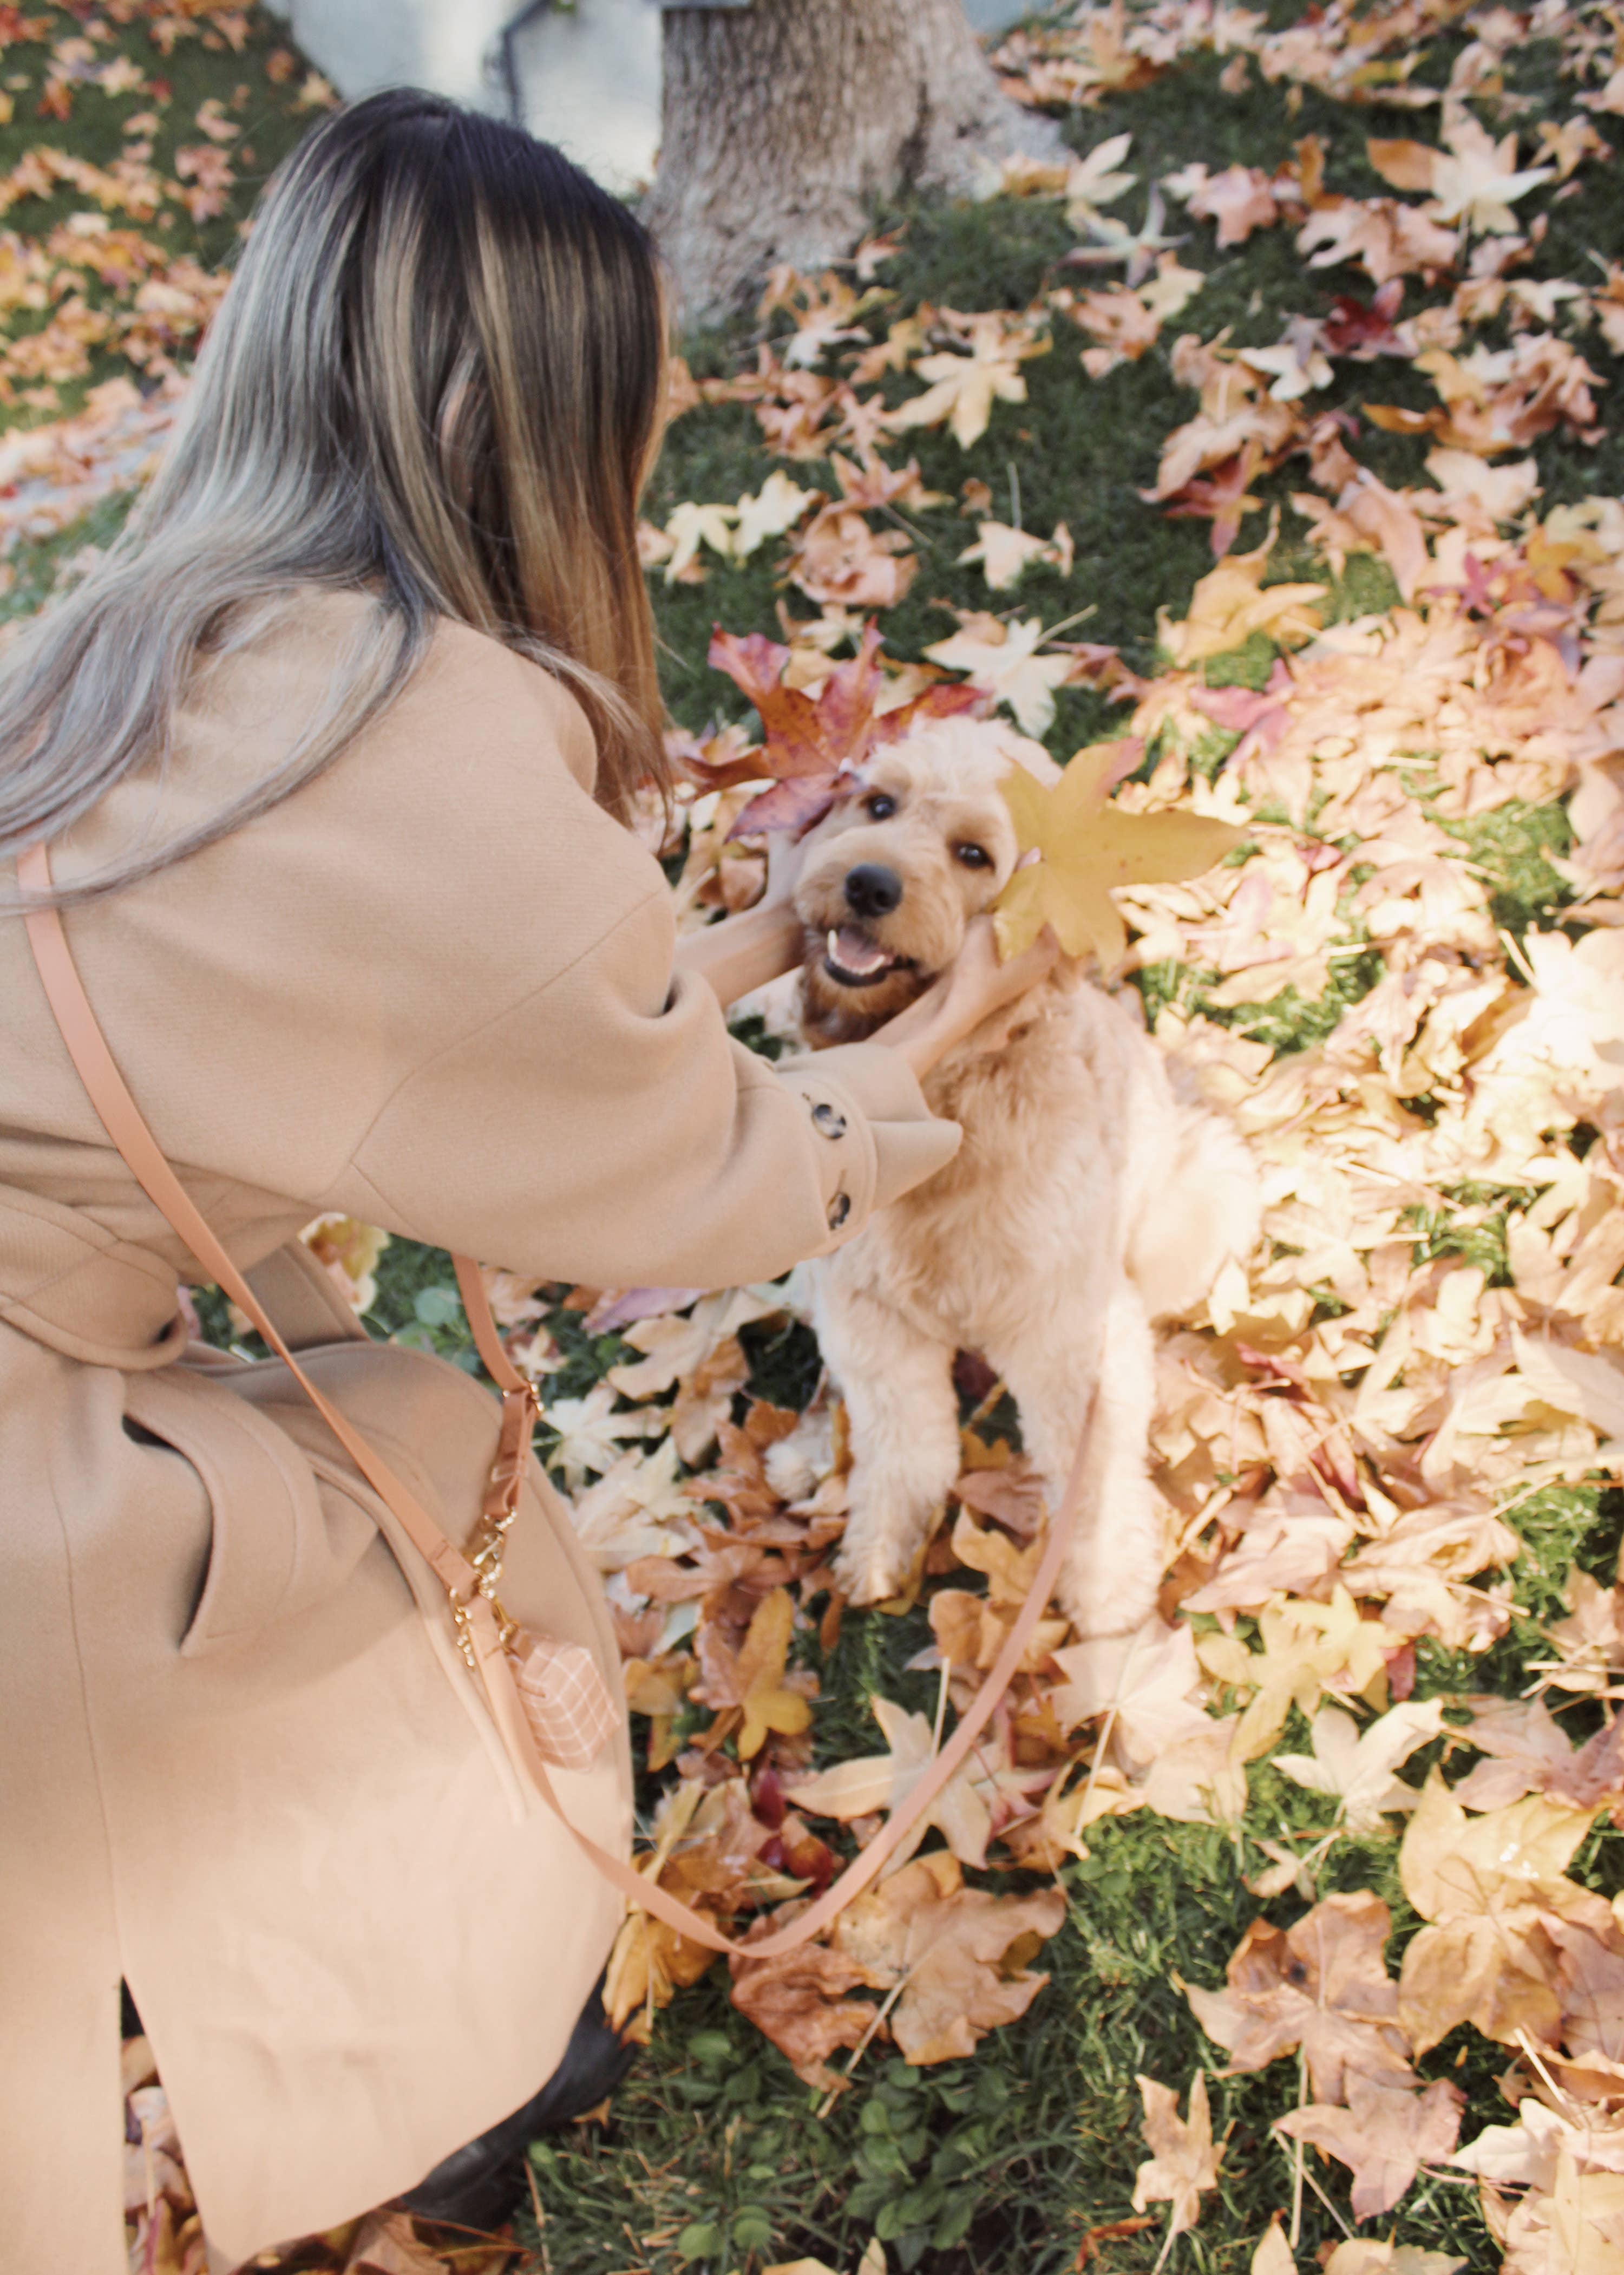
x=436 y=378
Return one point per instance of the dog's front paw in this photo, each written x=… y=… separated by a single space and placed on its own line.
x=1109 y=1586
x=871 y=1571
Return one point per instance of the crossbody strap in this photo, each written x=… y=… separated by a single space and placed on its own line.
x=124 y=1124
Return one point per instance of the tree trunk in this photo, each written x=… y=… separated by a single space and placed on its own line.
x=784 y=121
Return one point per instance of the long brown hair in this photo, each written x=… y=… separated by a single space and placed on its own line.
x=436 y=378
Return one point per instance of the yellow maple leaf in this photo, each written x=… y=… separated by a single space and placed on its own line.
x=768 y=1704
x=1227 y=607
x=1308 y=1649
x=1087 y=846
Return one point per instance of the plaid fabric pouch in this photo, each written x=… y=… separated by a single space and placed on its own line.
x=566 y=1700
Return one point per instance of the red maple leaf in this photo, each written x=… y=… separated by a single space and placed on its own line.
x=811 y=740
x=1361 y=329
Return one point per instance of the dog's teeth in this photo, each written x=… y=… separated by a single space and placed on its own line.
x=831 y=946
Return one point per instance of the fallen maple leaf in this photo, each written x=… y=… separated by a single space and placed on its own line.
x=1484 y=1884
x=1003 y=661
x=1184 y=2163
x=958 y=1954
x=1005 y=553
x=799 y=2001
x=1385 y=2135
x=691 y=526
x=766 y=1704
x=1113 y=241
x=639 y=1508
x=1527 y=1748
x=963 y=388
x=1323 y=1985
x=591 y=1431
x=1308 y=1648
x=775 y=507
x=1273 y=2254
x=1239 y=199
x=1087 y=848
x=1388 y=239
x=1231 y=603
x=1357 y=1766
x=1149 y=1682
x=1365 y=2255
x=873 y=1782
x=1091 y=181
x=1472 y=179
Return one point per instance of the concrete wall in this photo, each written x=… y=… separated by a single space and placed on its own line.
x=588 y=76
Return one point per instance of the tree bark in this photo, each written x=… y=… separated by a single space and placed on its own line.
x=785 y=121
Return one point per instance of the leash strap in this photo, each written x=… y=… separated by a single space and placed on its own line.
x=123 y=1121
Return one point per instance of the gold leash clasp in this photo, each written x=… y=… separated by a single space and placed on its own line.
x=521 y=1409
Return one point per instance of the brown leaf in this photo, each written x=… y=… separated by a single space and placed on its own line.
x=752 y=1678
x=959 y=1953
x=1486 y=1885
x=1322 y=1986
x=1385 y=2134
x=387 y=2244
x=1012 y=1495
x=799 y=2001
x=1184 y=2163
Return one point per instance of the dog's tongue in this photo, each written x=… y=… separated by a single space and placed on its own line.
x=855 y=951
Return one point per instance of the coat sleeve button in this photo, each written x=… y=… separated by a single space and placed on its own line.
x=840 y=1209
x=828 y=1121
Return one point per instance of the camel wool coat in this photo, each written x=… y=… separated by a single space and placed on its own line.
x=241 y=1765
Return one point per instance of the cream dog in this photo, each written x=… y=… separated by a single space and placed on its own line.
x=1086 y=1200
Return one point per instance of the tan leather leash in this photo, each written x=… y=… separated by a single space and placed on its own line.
x=122 y=1119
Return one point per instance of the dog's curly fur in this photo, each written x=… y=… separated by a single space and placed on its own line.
x=1087 y=1199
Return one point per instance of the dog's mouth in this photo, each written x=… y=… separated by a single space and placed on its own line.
x=854 y=958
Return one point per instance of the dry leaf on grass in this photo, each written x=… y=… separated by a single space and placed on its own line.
x=957 y=1956
x=1385 y=2135
x=960 y=1954
x=1002 y=661
x=1308 y=1648
x=1322 y=1986
x=1183 y=2163
x=1472 y=179
x=1365 y=2255
x=877 y=1782
x=1005 y=553
x=752 y=1679
x=1273 y=2254
x=1232 y=603
x=1484 y=1884
x=1357 y=1766
x=963 y=388
x=800 y=2002
x=1149 y=1682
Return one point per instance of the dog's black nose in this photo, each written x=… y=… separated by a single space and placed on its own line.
x=872 y=891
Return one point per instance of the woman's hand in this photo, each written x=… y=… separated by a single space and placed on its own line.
x=785 y=854
x=974 y=986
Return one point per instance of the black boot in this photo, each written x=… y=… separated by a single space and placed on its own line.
x=480 y=2184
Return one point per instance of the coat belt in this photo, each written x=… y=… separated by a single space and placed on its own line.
x=70 y=1284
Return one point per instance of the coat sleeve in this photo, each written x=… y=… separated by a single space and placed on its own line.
x=607 y=1128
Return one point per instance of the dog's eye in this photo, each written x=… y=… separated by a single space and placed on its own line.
x=880 y=806
x=973 y=856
